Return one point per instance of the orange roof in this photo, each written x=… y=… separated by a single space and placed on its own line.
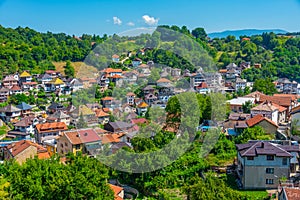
x=280 y=100
x=106 y=110
x=116 y=190
x=223 y=70
x=257 y=119
x=292 y=96
x=130 y=94
x=163 y=80
x=111 y=138
x=111 y=70
x=50 y=127
x=73 y=137
x=143 y=105
x=43 y=155
x=116 y=76
x=101 y=113
x=107 y=98
x=115 y=56
x=280 y=108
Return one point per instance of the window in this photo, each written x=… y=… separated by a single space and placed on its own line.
x=270 y=170
x=270 y=157
x=62 y=145
x=269 y=181
x=66 y=144
x=77 y=146
x=284 y=161
x=250 y=158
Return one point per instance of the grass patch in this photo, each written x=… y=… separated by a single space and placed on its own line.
x=81 y=69
x=3 y=130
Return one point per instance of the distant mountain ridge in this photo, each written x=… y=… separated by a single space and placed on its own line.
x=248 y=32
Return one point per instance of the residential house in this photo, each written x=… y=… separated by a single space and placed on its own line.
x=48 y=131
x=142 y=108
x=118 y=126
x=197 y=79
x=107 y=102
x=86 y=141
x=266 y=109
x=59 y=116
x=55 y=84
x=10 y=113
x=130 y=98
x=15 y=90
x=261 y=164
x=75 y=85
x=149 y=89
x=130 y=77
x=10 y=81
x=268 y=125
x=202 y=88
x=26 y=109
x=116 y=58
x=23 y=150
x=213 y=80
x=286 y=86
x=24 y=128
x=150 y=99
x=136 y=62
x=89 y=116
x=4 y=93
x=28 y=86
x=103 y=117
x=175 y=72
x=44 y=78
x=144 y=69
x=25 y=77
x=236 y=105
x=240 y=84
x=54 y=107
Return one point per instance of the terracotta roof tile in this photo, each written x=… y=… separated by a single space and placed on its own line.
x=257 y=119
x=50 y=127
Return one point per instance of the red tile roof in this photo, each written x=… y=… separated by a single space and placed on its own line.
x=18 y=147
x=130 y=94
x=257 y=119
x=82 y=136
x=101 y=113
x=163 y=80
x=111 y=138
x=292 y=193
x=107 y=98
x=115 y=56
x=116 y=190
x=111 y=70
x=138 y=121
x=50 y=127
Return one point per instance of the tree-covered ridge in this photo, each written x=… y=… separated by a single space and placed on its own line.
x=26 y=49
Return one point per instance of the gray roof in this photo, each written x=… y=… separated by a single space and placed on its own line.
x=24 y=106
x=10 y=108
x=266 y=148
x=59 y=115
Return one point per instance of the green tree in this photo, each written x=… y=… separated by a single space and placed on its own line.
x=81 y=122
x=199 y=33
x=69 y=70
x=253 y=133
x=265 y=86
x=247 y=107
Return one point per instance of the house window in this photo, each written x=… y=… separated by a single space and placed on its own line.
x=270 y=157
x=250 y=158
x=284 y=161
x=269 y=181
x=270 y=170
x=66 y=144
x=77 y=146
x=62 y=145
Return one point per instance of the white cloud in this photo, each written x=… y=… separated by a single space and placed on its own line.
x=130 y=24
x=117 y=20
x=151 y=21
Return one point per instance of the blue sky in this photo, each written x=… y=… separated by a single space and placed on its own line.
x=115 y=16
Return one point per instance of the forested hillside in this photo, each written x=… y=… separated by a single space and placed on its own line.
x=25 y=49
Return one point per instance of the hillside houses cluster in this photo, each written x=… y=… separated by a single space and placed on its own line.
x=62 y=127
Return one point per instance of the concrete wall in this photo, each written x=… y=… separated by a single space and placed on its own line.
x=29 y=152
